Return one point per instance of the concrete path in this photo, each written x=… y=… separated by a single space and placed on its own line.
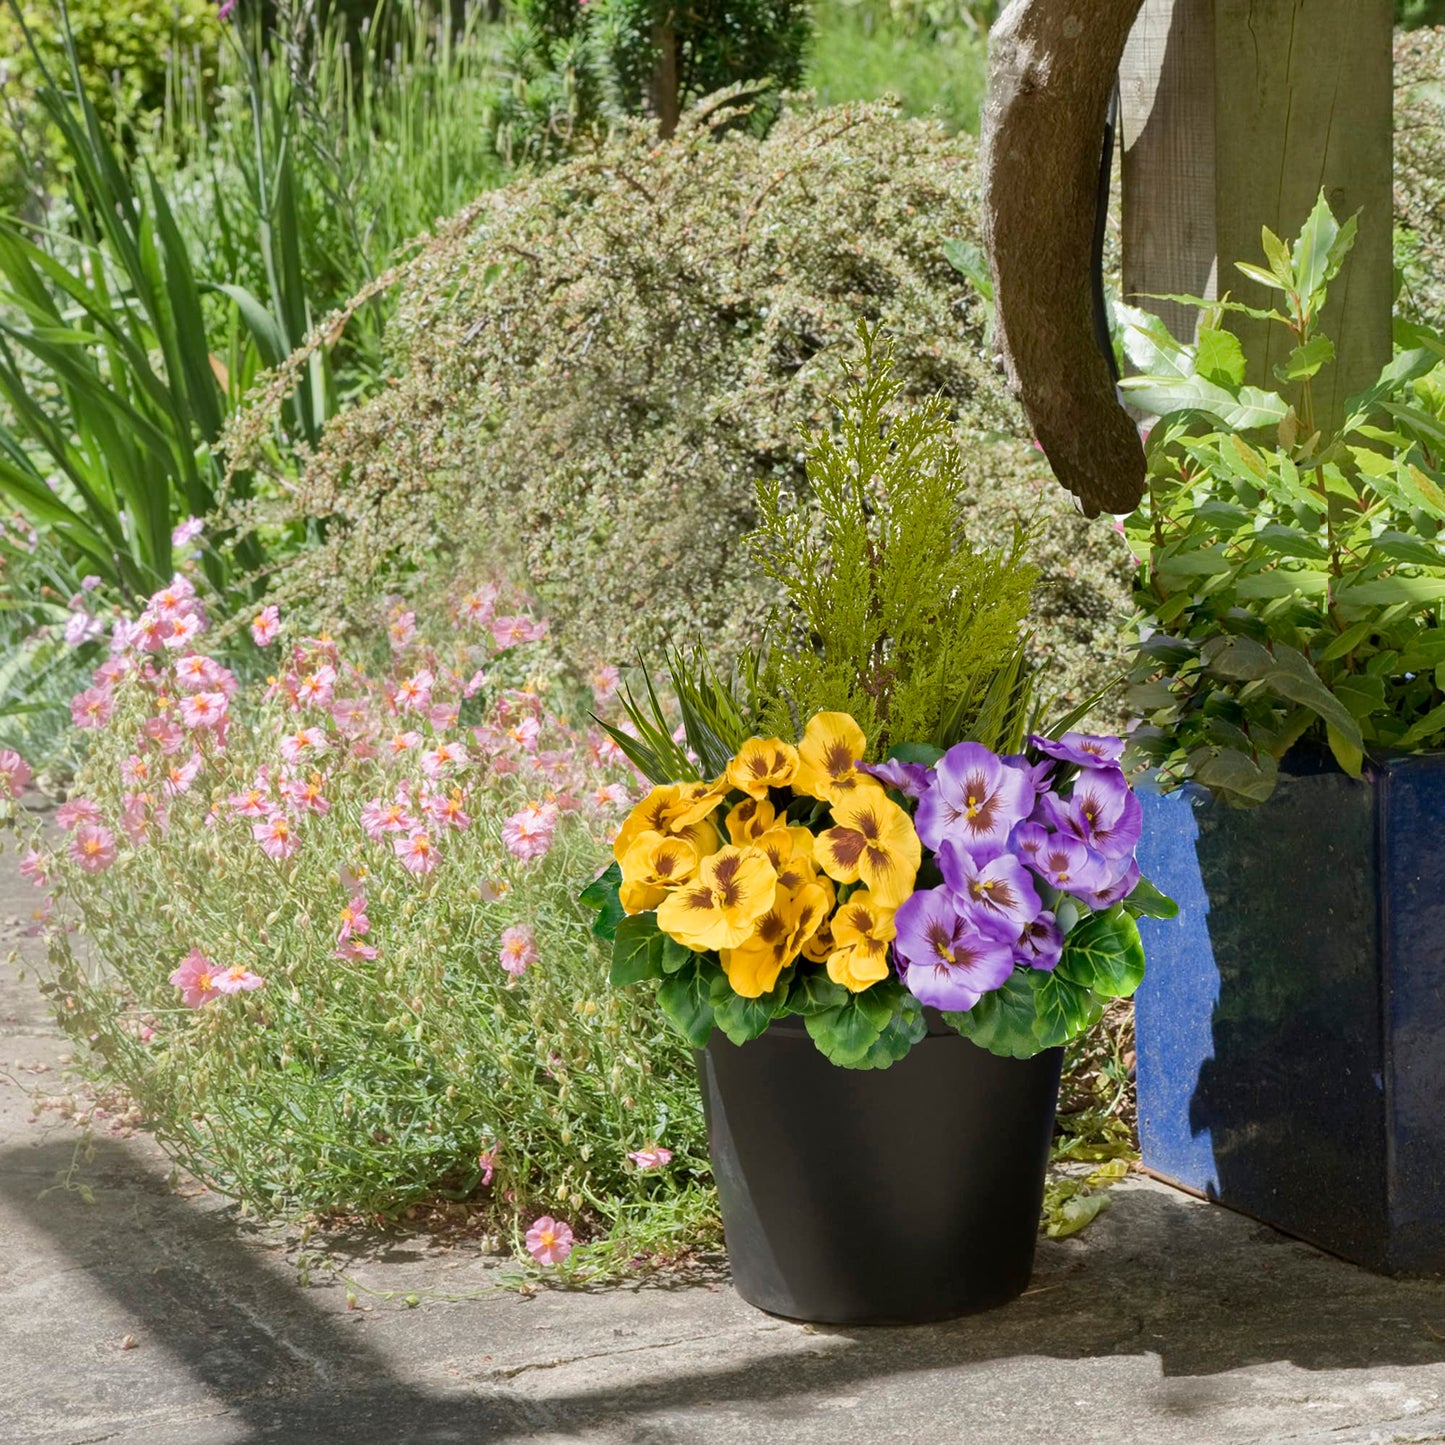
x=150 y=1317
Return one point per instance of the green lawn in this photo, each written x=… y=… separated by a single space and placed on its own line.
x=860 y=53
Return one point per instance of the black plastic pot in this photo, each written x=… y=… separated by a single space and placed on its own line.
x=893 y=1196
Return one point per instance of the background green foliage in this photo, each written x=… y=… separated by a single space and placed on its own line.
x=125 y=57
x=929 y=57
x=576 y=68
x=1412 y=13
x=1420 y=172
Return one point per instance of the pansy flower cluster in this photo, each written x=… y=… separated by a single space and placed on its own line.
x=1015 y=853
x=751 y=866
x=998 y=889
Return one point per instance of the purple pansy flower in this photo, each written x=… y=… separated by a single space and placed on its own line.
x=1119 y=884
x=976 y=799
x=1038 y=774
x=949 y=962
x=1082 y=749
x=913 y=780
x=1062 y=860
x=1041 y=944
x=989 y=886
x=1102 y=811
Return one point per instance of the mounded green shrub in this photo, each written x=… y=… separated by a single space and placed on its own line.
x=1420 y=170
x=595 y=366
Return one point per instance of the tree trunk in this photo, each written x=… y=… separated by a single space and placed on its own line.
x=666 y=93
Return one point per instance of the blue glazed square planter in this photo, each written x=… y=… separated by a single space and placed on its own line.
x=1291 y=1028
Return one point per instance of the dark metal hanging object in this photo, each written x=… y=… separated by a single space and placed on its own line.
x=1052 y=68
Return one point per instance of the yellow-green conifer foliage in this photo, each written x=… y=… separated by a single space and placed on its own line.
x=893 y=616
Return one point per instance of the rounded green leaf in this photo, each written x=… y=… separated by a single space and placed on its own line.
x=1003 y=1021
x=1105 y=954
x=636 y=951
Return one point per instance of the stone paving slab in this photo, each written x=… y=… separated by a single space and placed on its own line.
x=153 y=1317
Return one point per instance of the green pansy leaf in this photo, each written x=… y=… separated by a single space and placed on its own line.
x=1065 y=1010
x=741 y=1018
x=1106 y=954
x=845 y=1033
x=904 y=1028
x=637 y=950
x=814 y=992
x=923 y=753
x=1003 y=1021
x=601 y=889
x=1146 y=901
x=686 y=998
x=601 y=896
x=672 y=955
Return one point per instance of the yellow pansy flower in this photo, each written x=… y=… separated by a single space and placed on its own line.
x=862 y=931
x=749 y=820
x=790 y=851
x=763 y=763
x=721 y=906
x=671 y=808
x=653 y=867
x=832 y=746
x=753 y=967
x=872 y=839
x=821 y=947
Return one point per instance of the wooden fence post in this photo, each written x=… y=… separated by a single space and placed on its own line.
x=1236 y=113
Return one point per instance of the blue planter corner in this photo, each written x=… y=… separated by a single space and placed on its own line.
x=1291 y=1027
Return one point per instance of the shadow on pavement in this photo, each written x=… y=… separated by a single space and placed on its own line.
x=1201 y=1289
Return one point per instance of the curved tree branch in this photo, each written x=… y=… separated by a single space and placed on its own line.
x=1051 y=71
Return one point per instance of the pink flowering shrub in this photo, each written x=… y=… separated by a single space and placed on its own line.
x=319 y=924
